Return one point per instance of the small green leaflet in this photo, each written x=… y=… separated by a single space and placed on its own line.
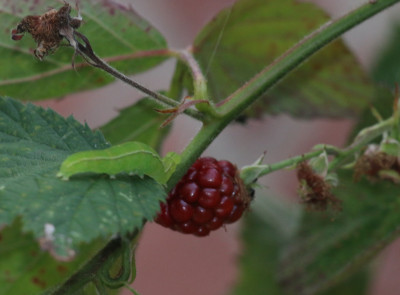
x=134 y=158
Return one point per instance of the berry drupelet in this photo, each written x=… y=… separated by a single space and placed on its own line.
x=208 y=196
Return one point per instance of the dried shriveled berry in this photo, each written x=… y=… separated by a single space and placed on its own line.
x=210 y=195
x=314 y=190
x=375 y=165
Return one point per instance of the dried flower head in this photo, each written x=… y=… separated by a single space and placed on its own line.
x=314 y=190
x=49 y=30
x=375 y=165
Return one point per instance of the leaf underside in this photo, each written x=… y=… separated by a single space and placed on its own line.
x=116 y=32
x=244 y=39
x=33 y=144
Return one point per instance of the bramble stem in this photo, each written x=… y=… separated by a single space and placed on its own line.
x=269 y=168
x=364 y=137
x=361 y=140
x=341 y=156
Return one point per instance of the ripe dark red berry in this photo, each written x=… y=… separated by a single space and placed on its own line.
x=210 y=195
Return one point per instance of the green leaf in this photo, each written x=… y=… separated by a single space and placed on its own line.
x=33 y=144
x=139 y=122
x=244 y=39
x=329 y=247
x=27 y=269
x=383 y=105
x=267 y=227
x=386 y=69
x=116 y=32
x=386 y=72
x=134 y=158
x=258 y=263
x=356 y=284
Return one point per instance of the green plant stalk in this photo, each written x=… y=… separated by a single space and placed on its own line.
x=235 y=104
x=199 y=82
x=364 y=137
x=131 y=289
x=100 y=288
x=89 y=272
x=342 y=156
x=195 y=148
x=290 y=162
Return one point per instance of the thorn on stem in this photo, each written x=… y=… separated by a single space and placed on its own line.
x=175 y=111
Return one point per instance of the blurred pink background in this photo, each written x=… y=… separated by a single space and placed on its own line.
x=172 y=263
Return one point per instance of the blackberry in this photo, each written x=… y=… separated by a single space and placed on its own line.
x=210 y=195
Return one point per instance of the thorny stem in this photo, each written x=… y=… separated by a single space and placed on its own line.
x=269 y=168
x=341 y=156
x=362 y=139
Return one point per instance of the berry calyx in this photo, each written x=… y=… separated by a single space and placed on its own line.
x=210 y=195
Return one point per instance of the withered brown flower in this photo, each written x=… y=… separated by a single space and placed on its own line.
x=314 y=190
x=376 y=165
x=49 y=30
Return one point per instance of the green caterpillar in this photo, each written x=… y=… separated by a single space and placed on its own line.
x=134 y=158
